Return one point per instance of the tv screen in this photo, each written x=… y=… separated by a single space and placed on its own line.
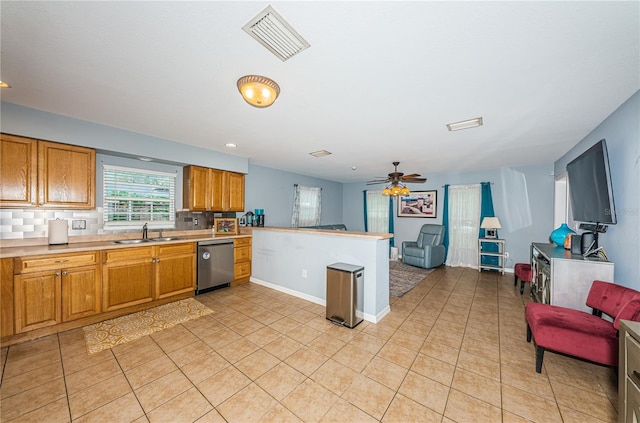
x=590 y=186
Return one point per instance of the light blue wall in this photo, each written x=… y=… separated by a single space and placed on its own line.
x=522 y=200
x=272 y=190
x=33 y=123
x=622 y=132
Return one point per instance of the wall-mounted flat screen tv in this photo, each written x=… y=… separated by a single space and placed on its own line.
x=590 y=186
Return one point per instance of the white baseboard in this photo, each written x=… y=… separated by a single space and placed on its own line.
x=368 y=317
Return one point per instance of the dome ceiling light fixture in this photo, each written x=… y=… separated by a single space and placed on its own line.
x=258 y=91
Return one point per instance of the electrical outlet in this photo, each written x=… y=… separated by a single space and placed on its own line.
x=304 y=273
x=78 y=224
x=195 y=221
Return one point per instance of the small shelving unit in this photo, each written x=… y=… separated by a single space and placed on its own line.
x=500 y=254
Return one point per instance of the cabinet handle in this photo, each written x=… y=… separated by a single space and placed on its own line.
x=64 y=273
x=57 y=273
x=61 y=261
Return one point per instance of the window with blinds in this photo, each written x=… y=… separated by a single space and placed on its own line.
x=133 y=197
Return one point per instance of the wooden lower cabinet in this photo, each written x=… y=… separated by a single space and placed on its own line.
x=37 y=300
x=55 y=288
x=241 y=260
x=175 y=269
x=80 y=292
x=127 y=277
x=137 y=275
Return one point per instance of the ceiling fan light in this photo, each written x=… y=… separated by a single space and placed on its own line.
x=258 y=91
x=386 y=191
x=405 y=191
x=395 y=191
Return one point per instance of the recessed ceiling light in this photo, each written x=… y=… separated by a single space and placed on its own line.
x=4 y=85
x=230 y=145
x=145 y=159
x=465 y=124
x=320 y=153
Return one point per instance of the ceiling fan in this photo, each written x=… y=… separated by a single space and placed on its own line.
x=396 y=181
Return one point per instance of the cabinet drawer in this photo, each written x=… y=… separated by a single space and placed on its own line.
x=175 y=249
x=242 y=254
x=633 y=357
x=240 y=270
x=53 y=262
x=633 y=403
x=127 y=254
x=242 y=242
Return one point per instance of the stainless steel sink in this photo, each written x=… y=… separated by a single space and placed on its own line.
x=139 y=241
x=131 y=241
x=166 y=238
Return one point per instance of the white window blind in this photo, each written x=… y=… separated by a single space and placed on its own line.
x=133 y=197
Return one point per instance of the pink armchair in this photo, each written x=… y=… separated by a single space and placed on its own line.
x=579 y=334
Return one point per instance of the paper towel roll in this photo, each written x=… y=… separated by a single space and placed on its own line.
x=58 y=232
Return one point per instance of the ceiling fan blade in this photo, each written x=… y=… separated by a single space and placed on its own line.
x=377 y=182
x=415 y=180
x=413 y=175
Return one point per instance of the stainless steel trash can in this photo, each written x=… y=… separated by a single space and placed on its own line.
x=345 y=294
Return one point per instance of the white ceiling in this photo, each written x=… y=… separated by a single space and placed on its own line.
x=378 y=84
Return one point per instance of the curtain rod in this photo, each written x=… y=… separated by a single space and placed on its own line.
x=295 y=185
x=491 y=183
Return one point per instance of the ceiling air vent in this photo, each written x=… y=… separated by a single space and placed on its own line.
x=273 y=32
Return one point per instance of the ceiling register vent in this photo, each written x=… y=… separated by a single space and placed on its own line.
x=273 y=32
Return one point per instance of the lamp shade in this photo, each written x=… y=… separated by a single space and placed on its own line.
x=490 y=223
x=258 y=91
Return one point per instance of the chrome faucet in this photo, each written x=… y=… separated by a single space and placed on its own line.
x=144 y=231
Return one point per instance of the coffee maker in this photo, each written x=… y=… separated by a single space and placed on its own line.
x=249 y=218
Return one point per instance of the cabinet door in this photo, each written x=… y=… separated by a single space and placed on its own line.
x=67 y=176
x=217 y=190
x=80 y=293
x=196 y=188
x=6 y=297
x=18 y=171
x=175 y=275
x=37 y=300
x=127 y=283
x=235 y=194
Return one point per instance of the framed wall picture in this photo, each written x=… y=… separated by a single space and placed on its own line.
x=225 y=226
x=418 y=204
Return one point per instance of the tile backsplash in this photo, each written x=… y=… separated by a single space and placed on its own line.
x=33 y=223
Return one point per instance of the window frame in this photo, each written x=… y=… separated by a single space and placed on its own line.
x=107 y=174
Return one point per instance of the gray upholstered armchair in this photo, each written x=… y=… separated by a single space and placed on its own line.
x=428 y=250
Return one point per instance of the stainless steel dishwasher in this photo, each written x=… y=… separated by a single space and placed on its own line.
x=215 y=264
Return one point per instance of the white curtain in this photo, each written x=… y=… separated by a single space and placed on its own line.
x=306 y=206
x=377 y=212
x=464 y=225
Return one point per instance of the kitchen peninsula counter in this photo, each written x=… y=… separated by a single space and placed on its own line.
x=294 y=261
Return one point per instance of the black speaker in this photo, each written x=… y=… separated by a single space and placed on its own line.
x=576 y=244
x=588 y=242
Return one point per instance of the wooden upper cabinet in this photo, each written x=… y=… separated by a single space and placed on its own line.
x=67 y=176
x=235 y=192
x=213 y=190
x=217 y=190
x=18 y=171
x=46 y=174
x=195 y=195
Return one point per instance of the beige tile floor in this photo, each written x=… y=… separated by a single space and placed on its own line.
x=452 y=350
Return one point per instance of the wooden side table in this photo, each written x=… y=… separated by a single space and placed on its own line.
x=500 y=254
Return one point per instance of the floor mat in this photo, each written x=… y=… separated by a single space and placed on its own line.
x=120 y=330
x=402 y=277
